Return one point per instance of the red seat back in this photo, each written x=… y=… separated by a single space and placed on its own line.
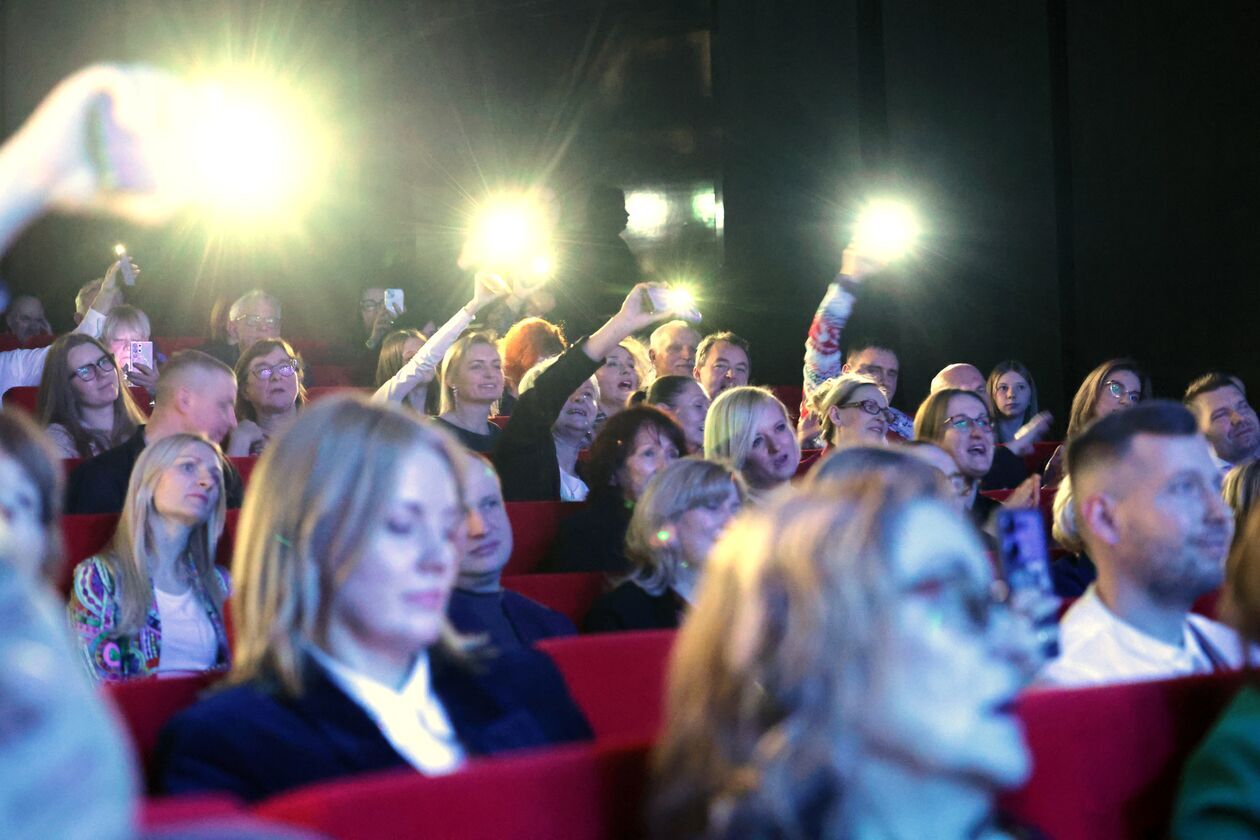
x=26 y=397
x=328 y=375
x=534 y=528
x=9 y=341
x=570 y=594
x=321 y=391
x=1106 y=760
x=618 y=679
x=170 y=344
x=500 y=420
x=245 y=466
x=146 y=705
x=809 y=457
x=570 y=793
x=790 y=396
x=1035 y=461
x=187 y=812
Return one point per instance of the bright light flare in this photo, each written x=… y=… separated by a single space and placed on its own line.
x=511 y=236
x=887 y=230
x=648 y=211
x=120 y=250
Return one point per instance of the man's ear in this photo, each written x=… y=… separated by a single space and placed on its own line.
x=846 y=368
x=183 y=398
x=1099 y=516
x=651 y=355
x=230 y=329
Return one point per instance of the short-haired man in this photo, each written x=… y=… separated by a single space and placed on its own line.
x=196 y=394
x=1147 y=501
x=672 y=348
x=722 y=361
x=252 y=317
x=1219 y=404
x=25 y=318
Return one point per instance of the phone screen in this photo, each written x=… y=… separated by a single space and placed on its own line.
x=394 y=301
x=1025 y=559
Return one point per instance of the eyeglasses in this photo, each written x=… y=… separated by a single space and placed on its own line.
x=1117 y=391
x=870 y=407
x=963 y=423
x=89 y=372
x=959 y=602
x=286 y=369
x=257 y=321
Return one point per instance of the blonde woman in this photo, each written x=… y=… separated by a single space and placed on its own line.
x=472 y=384
x=152 y=602
x=852 y=410
x=857 y=676
x=750 y=428
x=625 y=369
x=347 y=550
x=123 y=325
x=82 y=401
x=681 y=514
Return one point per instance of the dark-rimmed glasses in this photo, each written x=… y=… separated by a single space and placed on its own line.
x=870 y=407
x=1119 y=392
x=963 y=423
x=89 y=372
x=285 y=369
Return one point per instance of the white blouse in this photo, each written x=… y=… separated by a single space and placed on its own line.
x=189 y=643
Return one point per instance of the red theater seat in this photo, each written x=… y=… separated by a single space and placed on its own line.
x=328 y=375
x=321 y=391
x=169 y=344
x=9 y=341
x=1035 y=461
x=569 y=793
x=1106 y=760
x=534 y=528
x=618 y=679
x=173 y=813
x=501 y=420
x=146 y=705
x=26 y=397
x=245 y=466
x=570 y=594
x=809 y=457
x=790 y=396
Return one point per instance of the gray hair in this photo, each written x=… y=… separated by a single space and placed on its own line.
x=251 y=297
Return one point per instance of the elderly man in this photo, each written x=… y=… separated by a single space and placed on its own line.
x=254 y=316
x=672 y=348
x=25 y=318
x=1147 y=500
x=1219 y=404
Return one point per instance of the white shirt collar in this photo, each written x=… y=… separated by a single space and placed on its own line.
x=1221 y=464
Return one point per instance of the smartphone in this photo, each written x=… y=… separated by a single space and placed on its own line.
x=677 y=301
x=394 y=301
x=1025 y=561
x=125 y=265
x=141 y=353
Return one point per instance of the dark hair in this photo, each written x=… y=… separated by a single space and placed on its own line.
x=57 y=401
x=25 y=443
x=1212 y=381
x=729 y=337
x=244 y=408
x=864 y=343
x=615 y=441
x=1110 y=438
x=1001 y=369
x=666 y=389
x=1086 y=399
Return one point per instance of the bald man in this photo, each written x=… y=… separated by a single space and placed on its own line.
x=196 y=394
x=25 y=318
x=963 y=377
x=1147 y=500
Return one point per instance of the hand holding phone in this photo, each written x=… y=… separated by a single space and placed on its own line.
x=675 y=300
x=1025 y=562
x=140 y=353
x=394 y=301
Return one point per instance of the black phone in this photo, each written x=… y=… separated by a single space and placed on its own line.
x=1025 y=559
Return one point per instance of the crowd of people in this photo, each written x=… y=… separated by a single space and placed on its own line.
x=845 y=664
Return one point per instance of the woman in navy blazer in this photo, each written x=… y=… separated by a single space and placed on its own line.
x=346 y=553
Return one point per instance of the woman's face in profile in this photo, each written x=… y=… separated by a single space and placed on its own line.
x=188 y=490
x=955 y=661
x=22 y=538
x=393 y=603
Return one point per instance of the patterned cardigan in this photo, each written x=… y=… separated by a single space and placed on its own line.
x=93 y=612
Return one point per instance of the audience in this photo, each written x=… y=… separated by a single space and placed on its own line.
x=1241 y=490
x=1146 y=497
x=472 y=386
x=682 y=512
x=823 y=361
x=479 y=604
x=1007 y=469
x=1013 y=394
x=619 y=378
x=686 y=402
x=1218 y=787
x=852 y=410
x=82 y=402
x=30 y=499
x=843 y=673
x=1114 y=385
x=751 y=429
x=672 y=348
x=524 y=345
x=633 y=446
x=152 y=602
x=1219 y=404
x=536 y=455
x=196 y=395
x=25 y=318
x=269 y=395
x=722 y=362
x=344 y=662
x=252 y=317
x=895 y=464
x=124 y=325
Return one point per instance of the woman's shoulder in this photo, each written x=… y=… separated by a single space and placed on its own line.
x=93 y=577
x=60 y=436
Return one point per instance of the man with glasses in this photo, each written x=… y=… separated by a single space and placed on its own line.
x=1219 y=404
x=196 y=394
x=254 y=316
x=1007 y=469
x=1147 y=502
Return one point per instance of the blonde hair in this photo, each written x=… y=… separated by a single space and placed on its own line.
x=1065 y=527
x=731 y=425
x=643 y=368
x=1241 y=489
x=132 y=553
x=684 y=485
x=314 y=501
x=835 y=392
x=454 y=358
x=790 y=631
x=124 y=316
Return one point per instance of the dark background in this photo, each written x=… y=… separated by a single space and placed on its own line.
x=1087 y=169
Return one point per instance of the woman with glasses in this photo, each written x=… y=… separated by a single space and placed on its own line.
x=1114 y=385
x=853 y=411
x=152 y=602
x=858 y=676
x=269 y=394
x=82 y=401
x=958 y=421
x=124 y=325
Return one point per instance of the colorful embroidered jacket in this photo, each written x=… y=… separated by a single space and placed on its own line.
x=823 y=359
x=93 y=612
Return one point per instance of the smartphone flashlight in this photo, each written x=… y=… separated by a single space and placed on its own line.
x=887 y=230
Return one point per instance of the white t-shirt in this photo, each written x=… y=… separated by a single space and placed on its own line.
x=1097 y=647
x=189 y=643
x=572 y=488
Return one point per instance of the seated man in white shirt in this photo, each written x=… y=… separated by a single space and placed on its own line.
x=1226 y=418
x=1150 y=514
